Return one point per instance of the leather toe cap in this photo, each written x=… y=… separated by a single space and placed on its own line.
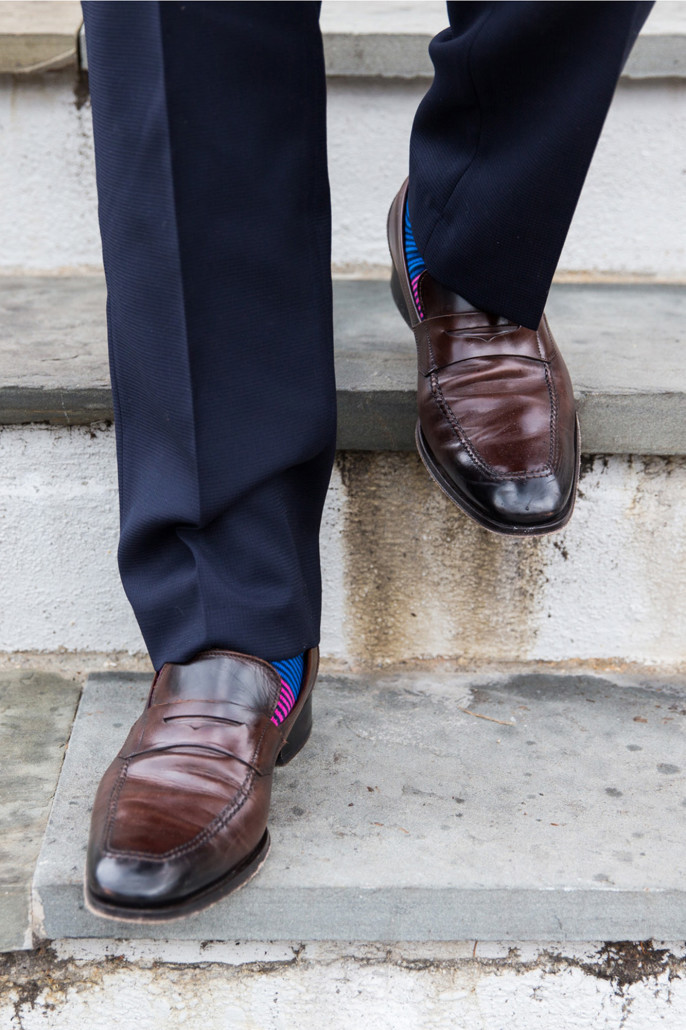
x=135 y=882
x=529 y=501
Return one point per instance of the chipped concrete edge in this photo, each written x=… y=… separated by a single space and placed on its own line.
x=373 y=419
x=348 y=54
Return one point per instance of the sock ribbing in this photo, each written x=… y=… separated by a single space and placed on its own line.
x=291 y=672
x=414 y=261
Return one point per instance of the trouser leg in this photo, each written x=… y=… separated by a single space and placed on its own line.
x=503 y=139
x=213 y=195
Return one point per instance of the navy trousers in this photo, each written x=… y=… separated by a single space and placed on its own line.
x=210 y=143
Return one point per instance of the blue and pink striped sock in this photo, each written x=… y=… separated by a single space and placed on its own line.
x=414 y=260
x=291 y=672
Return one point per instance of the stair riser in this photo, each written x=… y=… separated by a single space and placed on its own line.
x=406 y=575
x=385 y=987
x=629 y=221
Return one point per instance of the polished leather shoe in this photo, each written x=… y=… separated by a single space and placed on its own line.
x=180 y=817
x=497 y=427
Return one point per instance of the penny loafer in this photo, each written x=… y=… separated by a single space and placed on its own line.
x=180 y=816
x=497 y=427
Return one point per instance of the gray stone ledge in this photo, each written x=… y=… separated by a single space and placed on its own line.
x=556 y=818
x=624 y=346
x=390 y=40
x=379 y=40
x=38 y=36
x=405 y=56
x=36 y=713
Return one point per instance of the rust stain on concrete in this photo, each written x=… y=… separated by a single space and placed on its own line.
x=422 y=578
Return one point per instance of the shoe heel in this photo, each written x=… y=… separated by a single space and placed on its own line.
x=298 y=736
x=398 y=296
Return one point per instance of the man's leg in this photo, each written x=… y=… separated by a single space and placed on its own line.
x=502 y=142
x=214 y=209
x=500 y=148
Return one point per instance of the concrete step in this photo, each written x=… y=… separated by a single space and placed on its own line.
x=36 y=715
x=629 y=223
x=390 y=39
x=536 y=804
x=623 y=344
x=387 y=39
x=406 y=575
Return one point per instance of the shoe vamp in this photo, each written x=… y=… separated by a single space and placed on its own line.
x=167 y=800
x=504 y=409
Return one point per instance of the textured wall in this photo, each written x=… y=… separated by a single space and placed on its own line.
x=405 y=574
x=281 y=987
x=629 y=220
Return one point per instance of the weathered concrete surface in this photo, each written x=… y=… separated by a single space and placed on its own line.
x=630 y=386
x=422 y=580
x=390 y=39
x=58 y=539
x=36 y=712
x=406 y=575
x=397 y=987
x=544 y=806
x=48 y=217
x=54 y=350
x=38 y=35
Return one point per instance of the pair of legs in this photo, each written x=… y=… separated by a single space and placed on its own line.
x=214 y=208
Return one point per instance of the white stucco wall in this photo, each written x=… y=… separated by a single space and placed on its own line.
x=631 y=219
x=48 y=209
x=143 y=986
x=406 y=575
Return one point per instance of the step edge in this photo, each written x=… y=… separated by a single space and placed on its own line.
x=348 y=54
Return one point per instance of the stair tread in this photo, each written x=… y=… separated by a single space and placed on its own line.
x=541 y=805
x=32 y=740
x=623 y=345
x=375 y=39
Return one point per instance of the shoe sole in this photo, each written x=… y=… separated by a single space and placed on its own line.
x=231 y=881
x=402 y=296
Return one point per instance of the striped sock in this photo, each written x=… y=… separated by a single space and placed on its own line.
x=291 y=672
x=414 y=260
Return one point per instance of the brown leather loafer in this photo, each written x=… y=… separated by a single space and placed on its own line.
x=497 y=427
x=180 y=817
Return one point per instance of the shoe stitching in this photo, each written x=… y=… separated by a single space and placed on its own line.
x=209 y=831
x=539 y=473
x=427 y=337
x=555 y=452
x=123 y=773
x=205 y=835
x=212 y=828
x=164 y=749
x=424 y=329
x=552 y=393
x=114 y=801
